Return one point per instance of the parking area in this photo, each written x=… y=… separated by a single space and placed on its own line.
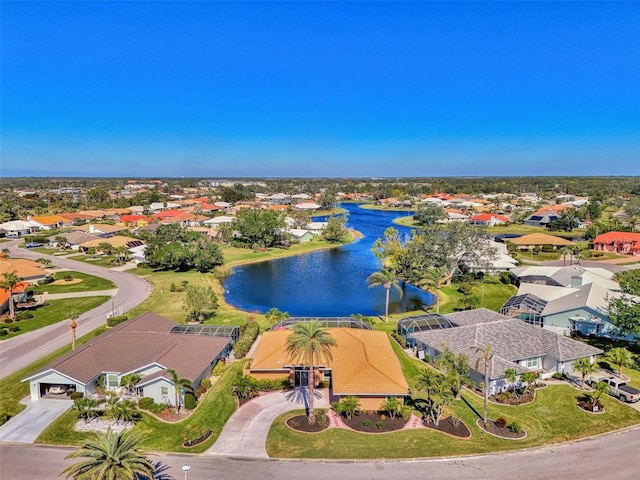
x=29 y=424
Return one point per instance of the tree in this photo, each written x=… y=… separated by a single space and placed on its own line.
x=599 y=389
x=123 y=253
x=105 y=247
x=173 y=247
x=439 y=394
x=511 y=375
x=393 y=407
x=274 y=316
x=199 y=302
x=433 y=277
x=129 y=381
x=429 y=214
x=327 y=198
x=529 y=378
x=127 y=411
x=335 y=231
x=624 y=311
x=61 y=241
x=245 y=387
x=584 y=366
x=348 y=406
x=73 y=316
x=111 y=403
x=621 y=357
x=455 y=368
x=9 y=281
x=486 y=358
x=257 y=229
x=310 y=344
x=110 y=456
x=632 y=209
x=387 y=278
x=564 y=251
x=180 y=384
x=86 y=408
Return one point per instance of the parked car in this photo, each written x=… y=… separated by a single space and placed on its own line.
x=33 y=245
x=57 y=390
x=618 y=388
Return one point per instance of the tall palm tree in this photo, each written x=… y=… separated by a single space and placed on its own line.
x=621 y=357
x=310 y=344
x=180 y=384
x=433 y=278
x=486 y=357
x=564 y=251
x=110 y=456
x=9 y=282
x=73 y=316
x=388 y=279
x=584 y=366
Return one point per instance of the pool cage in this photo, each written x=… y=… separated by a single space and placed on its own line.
x=525 y=307
x=421 y=323
x=208 y=330
x=325 y=322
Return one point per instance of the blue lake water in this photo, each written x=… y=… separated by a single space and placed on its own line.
x=326 y=283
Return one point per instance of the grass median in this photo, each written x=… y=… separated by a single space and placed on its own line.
x=80 y=282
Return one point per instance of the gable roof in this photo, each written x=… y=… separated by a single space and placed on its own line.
x=617 y=237
x=139 y=342
x=363 y=361
x=486 y=217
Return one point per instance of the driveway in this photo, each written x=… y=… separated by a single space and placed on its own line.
x=245 y=434
x=29 y=424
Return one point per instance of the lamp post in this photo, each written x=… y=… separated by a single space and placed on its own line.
x=186 y=469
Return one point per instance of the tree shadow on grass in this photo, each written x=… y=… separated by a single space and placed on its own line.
x=471 y=407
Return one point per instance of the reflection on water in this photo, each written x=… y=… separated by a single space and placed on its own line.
x=326 y=283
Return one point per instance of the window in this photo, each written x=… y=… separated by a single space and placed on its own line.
x=164 y=390
x=112 y=380
x=532 y=362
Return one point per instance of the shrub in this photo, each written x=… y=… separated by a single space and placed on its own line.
x=4 y=418
x=557 y=376
x=100 y=330
x=406 y=412
x=269 y=385
x=366 y=422
x=113 y=321
x=242 y=346
x=324 y=384
x=146 y=402
x=323 y=421
x=465 y=288
x=3 y=332
x=190 y=401
x=199 y=391
x=172 y=287
x=8 y=320
x=400 y=339
x=68 y=278
x=219 y=368
x=380 y=425
x=205 y=384
x=515 y=426
x=156 y=408
x=14 y=328
x=76 y=395
x=46 y=281
x=23 y=316
x=501 y=422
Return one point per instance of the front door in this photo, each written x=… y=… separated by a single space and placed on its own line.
x=302 y=378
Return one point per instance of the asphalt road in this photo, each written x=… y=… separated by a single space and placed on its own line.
x=20 y=351
x=610 y=456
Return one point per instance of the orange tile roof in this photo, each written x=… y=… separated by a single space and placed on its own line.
x=19 y=288
x=49 y=219
x=619 y=237
x=363 y=361
x=24 y=268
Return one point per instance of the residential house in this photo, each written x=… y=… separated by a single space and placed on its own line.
x=18 y=228
x=115 y=242
x=513 y=344
x=149 y=345
x=26 y=270
x=51 y=222
x=532 y=240
x=101 y=229
x=19 y=289
x=488 y=220
x=625 y=243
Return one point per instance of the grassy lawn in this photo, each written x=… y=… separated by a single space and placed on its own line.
x=54 y=312
x=81 y=283
x=213 y=412
x=553 y=417
x=373 y=206
x=491 y=294
x=100 y=260
x=45 y=250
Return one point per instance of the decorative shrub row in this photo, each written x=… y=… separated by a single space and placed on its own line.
x=113 y=321
x=23 y=316
x=242 y=346
x=268 y=385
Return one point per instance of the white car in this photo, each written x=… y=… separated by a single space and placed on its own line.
x=57 y=390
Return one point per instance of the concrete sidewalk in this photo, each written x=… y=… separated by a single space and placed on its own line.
x=94 y=293
x=27 y=426
x=245 y=433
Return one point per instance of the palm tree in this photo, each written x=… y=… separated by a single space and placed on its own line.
x=5 y=252
x=9 y=282
x=512 y=377
x=310 y=344
x=600 y=388
x=86 y=408
x=621 y=357
x=388 y=279
x=433 y=278
x=111 y=404
x=564 y=251
x=73 y=316
x=110 y=456
x=584 y=367
x=487 y=359
x=180 y=384
x=129 y=381
x=126 y=411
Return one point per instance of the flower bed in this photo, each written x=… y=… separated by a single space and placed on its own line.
x=374 y=423
x=451 y=426
x=505 y=431
x=299 y=423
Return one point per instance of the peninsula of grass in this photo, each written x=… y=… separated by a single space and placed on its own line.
x=384 y=208
x=80 y=282
x=53 y=312
x=213 y=412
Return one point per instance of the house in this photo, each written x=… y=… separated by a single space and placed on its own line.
x=568 y=276
x=363 y=365
x=514 y=344
x=72 y=239
x=301 y=235
x=526 y=242
x=101 y=229
x=134 y=221
x=618 y=242
x=307 y=206
x=51 y=222
x=19 y=289
x=541 y=219
x=498 y=260
x=149 y=345
x=26 y=270
x=18 y=228
x=115 y=242
x=487 y=220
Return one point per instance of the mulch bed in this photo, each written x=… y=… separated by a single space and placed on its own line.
x=522 y=399
x=502 y=432
x=196 y=441
x=299 y=423
x=587 y=406
x=448 y=425
x=389 y=424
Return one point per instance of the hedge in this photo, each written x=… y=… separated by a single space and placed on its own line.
x=242 y=346
x=190 y=401
x=113 y=321
x=145 y=402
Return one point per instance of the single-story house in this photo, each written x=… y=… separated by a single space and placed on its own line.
x=149 y=345
x=73 y=239
x=17 y=228
x=301 y=235
x=363 y=365
x=115 y=242
x=541 y=219
x=618 y=242
x=101 y=229
x=538 y=240
x=26 y=270
x=568 y=276
x=513 y=344
x=19 y=289
x=488 y=220
x=51 y=222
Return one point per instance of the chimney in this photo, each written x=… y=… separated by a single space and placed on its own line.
x=92 y=229
x=576 y=281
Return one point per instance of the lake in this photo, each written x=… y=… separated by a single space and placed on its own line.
x=327 y=283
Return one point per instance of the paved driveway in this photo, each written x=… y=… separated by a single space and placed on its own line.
x=29 y=424
x=245 y=433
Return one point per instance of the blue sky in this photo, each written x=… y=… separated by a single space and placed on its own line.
x=320 y=88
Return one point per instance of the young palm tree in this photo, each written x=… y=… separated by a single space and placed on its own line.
x=584 y=367
x=387 y=278
x=86 y=408
x=512 y=377
x=621 y=357
x=129 y=381
x=9 y=282
x=180 y=384
x=310 y=344
x=600 y=389
x=486 y=358
x=110 y=456
x=126 y=411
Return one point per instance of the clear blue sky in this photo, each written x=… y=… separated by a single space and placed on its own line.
x=320 y=89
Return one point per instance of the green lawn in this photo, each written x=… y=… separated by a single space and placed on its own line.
x=213 y=412
x=55 y=311
x=100 y=260
x=45 y=250
x=373 y=206
x=491 y=294
x=86 y=283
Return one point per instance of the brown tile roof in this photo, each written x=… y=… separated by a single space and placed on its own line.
x=363 y=361
x=540 y=239
x=142 y=341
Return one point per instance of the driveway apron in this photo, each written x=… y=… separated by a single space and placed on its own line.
x=29 y=424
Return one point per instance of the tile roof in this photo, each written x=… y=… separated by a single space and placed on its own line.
x=18 y=288
x=24 y=268
x=617 y=237
x=50 y=219
x=103 y=227
x=363 y=361
x=142 y=341
x=510 y=339
x=540 y=239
